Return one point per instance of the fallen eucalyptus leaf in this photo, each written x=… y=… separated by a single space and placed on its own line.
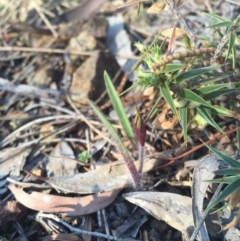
x=70 y=206
x=174 y=209
x=102 y=179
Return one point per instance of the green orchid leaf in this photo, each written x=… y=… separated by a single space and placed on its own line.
x=206 y=116
x=123 y=150
x=227 y=159
x=168 y=97
x=118 y=107
x=225 y=193
x=191 y=96
x=184 y=121
x=195 y=73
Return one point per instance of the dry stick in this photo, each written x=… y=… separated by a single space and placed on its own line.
x=173 y=159
x=83 y=118
x=12 y=135
x=46 y=21
x=199 y=225
x=72 y=229
x=45 y=50
x=180 y=18
x=105 y=221
x=221 y=45
x=54 y=51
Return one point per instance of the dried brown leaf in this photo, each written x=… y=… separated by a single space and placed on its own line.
x=69 y=206
x=174 y=209
x=104 y=178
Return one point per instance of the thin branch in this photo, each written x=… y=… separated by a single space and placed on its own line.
x=173 y=8
x=199 y=225
x=73 y=229
x=222 y=43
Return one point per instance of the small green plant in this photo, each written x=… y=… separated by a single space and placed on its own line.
x=191 y=92
x=84 y=156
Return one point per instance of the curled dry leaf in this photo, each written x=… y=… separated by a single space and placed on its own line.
x=69 y=206
x=102 y=179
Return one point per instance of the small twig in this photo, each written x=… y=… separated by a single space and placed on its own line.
x=105 y=222
x=73 y=229
x=12 y=135
x=222 y=43
x=173 y=159
x=46 y=21
x=53 y=51
x=83 y=118
x=199 y=225
x=44 y=50
x=173 y=8
x=24 y=89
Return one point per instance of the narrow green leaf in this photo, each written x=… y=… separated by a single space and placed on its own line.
x=226 y=192
x=208 y=80
x=118 y=107
x=168 y=97
x=231 y=44
x=191 y=96
x=216 y=17
x=234 y=56
x=123 y=150
x=210 y=88
x=172 y=67
x=226 y=180
x=218 y=93
x=194 y=73
x=205 y=115
x=238 y=135
x=228 y=171
x=227 y=159
x=222 y=111
x=222 y=24
x=183 y=121
x=109 y=126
